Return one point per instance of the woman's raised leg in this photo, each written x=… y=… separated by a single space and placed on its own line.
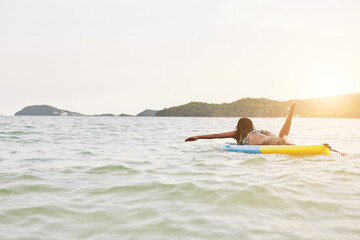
x=287 y=124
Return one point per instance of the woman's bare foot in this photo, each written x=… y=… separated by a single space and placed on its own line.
x=292 y=107
x=286 y=141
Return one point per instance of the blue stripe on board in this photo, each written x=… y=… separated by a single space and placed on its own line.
x=240 y=148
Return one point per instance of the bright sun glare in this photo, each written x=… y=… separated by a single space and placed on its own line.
x=326 y=81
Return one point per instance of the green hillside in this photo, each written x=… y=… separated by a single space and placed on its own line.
x=343 y=106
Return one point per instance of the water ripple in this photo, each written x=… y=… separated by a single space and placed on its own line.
x=136 y=178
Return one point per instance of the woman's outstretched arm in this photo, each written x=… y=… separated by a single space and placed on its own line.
x=211 y=136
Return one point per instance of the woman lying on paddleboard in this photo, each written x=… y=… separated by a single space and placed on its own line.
x=246 y=134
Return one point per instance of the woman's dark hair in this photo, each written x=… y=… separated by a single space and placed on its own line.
x=244 y=126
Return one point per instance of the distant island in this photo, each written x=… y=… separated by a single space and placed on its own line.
x=147 y=113
x=46 y=110
x=342 y=106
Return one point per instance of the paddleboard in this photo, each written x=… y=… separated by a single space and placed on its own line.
x=279 y=149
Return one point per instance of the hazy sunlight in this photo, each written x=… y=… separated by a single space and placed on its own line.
x=327 y=81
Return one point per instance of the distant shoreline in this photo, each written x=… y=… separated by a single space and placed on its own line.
x=342 y=106
x=47 y=110
x=134 y=116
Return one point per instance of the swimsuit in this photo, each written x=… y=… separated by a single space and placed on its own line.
x=244 y=141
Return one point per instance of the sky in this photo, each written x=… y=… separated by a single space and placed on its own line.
x=125 y=56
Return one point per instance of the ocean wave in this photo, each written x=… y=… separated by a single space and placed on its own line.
x=122 y=178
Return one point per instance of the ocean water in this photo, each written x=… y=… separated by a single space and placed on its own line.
x=136 y=178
